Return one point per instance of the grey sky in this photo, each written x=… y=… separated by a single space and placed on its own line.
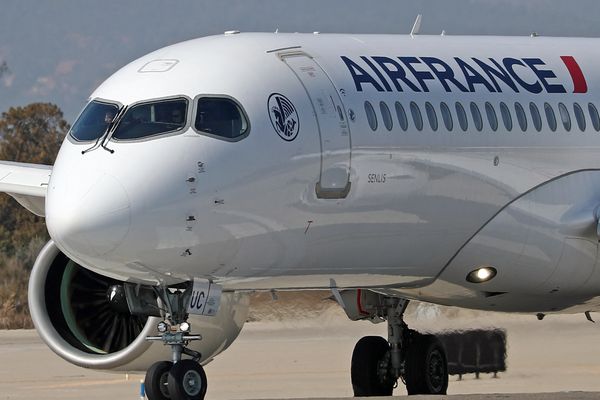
x=60 y=50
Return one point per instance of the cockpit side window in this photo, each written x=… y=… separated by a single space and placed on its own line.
x=94 y=121
x=150 y=119
x=220 y=117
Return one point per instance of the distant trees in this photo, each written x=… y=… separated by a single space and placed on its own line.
x=31 y=134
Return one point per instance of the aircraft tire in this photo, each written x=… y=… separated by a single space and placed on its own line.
x=187 y=381
x=156 y=379
x=426 y=369
x=364 y=368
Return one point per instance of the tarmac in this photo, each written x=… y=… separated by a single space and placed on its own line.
x=558 y=359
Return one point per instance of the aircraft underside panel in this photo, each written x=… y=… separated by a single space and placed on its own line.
x=544 y=246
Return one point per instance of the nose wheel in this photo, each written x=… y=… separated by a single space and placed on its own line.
x=185 y=380
x=156 y=382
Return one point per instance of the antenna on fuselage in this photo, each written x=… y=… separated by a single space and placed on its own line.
x=416 y=26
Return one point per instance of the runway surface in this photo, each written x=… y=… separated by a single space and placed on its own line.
x=310 y=359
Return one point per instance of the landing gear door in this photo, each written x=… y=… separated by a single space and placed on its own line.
x=334 y=182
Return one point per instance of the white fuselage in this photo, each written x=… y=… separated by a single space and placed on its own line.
x=337 y=203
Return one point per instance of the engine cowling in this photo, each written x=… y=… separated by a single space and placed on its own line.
x=73 y=316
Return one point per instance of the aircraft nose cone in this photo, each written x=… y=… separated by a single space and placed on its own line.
x=90 y=217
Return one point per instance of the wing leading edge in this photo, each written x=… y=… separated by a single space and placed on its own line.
x=26 y=183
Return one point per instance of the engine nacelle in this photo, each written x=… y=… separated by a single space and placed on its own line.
x=72 y=314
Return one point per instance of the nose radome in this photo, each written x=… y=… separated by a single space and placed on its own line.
x=88 y=216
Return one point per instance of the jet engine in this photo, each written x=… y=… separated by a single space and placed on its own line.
x=84 y=318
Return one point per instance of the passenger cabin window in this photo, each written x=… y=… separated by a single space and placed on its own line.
x=521 y=116
x=564 y=116
x=94 y=121
x=535 y=116
x=387 y=116
x=401 y=115
x=433 y=123
x=550 y=117
x=446 y=116
x=476 y=114
x=579 y=116
x=506 y=118
x=594 y=116
x=371 y=116
x=221 y=117
x=150 y=119
x=461 y=114
x=416 y=115
x=491 y=116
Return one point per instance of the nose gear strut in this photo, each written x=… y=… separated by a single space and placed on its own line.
x=179 y=379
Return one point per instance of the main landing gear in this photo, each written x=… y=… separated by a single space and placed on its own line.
x=178 y=379
x=419 y=360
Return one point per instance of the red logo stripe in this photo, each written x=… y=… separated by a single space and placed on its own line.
x=579 y=83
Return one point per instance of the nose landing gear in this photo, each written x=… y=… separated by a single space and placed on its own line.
x=178 y=379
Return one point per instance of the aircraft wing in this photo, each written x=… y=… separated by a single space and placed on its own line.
x=27 y=183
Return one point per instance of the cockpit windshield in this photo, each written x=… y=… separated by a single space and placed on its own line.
x=94 y=120
x=151 y=119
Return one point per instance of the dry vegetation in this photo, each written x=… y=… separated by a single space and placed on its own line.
x=31 y=134
x=319 y=305
x=14 y=273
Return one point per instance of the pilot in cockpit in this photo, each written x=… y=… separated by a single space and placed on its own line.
x=109 y=117
x=177 y=116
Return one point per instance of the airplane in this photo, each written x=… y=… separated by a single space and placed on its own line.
x=454 y=170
